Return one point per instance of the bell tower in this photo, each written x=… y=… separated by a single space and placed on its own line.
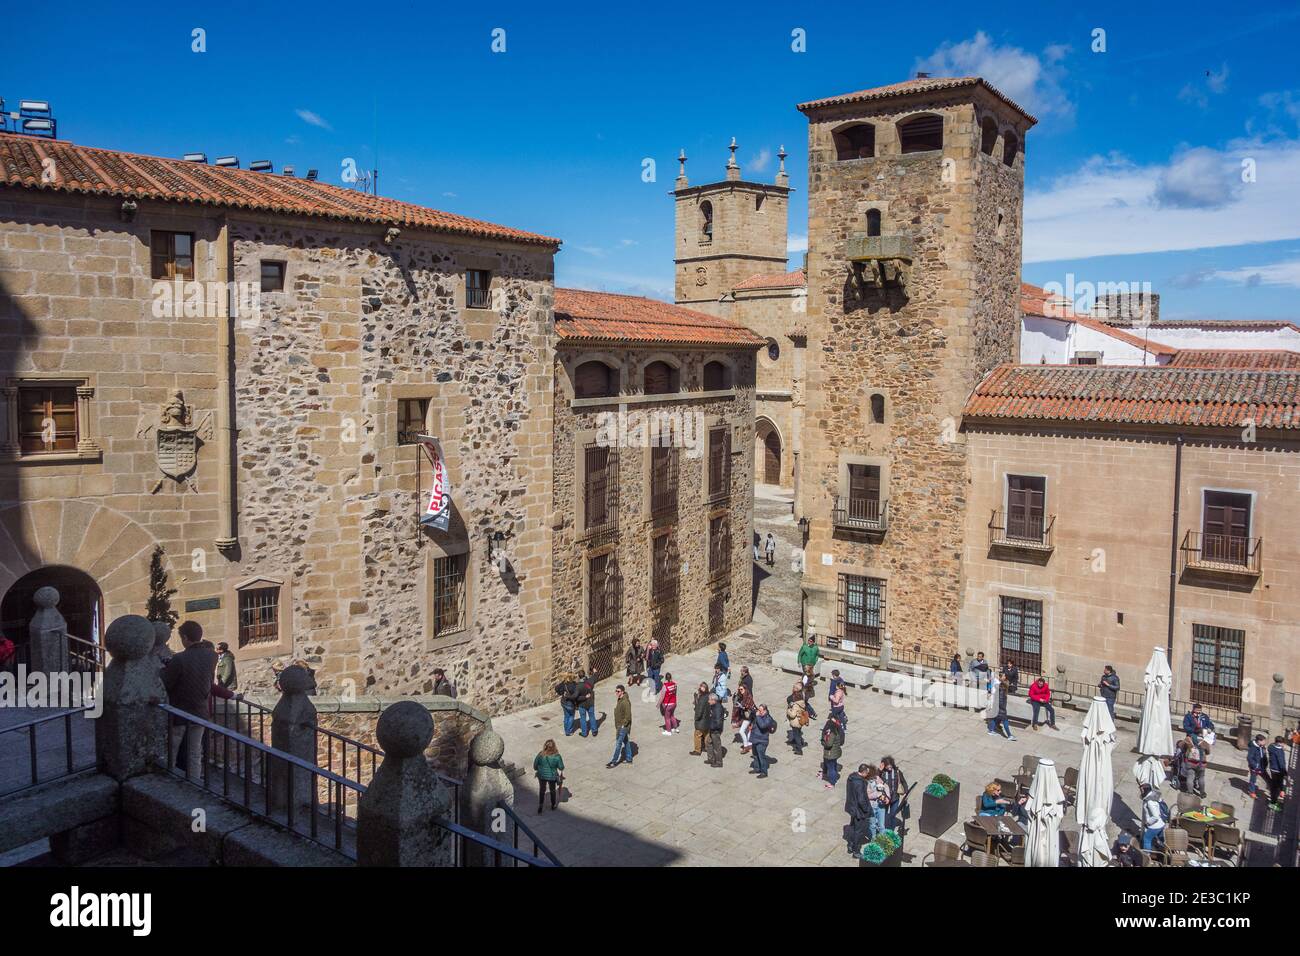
x=726 y=232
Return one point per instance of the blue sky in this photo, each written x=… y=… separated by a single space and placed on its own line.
x=1134 y=172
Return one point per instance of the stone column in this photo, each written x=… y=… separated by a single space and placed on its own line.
x=395 y=815
x=886 y=651
x=47 y=634
x=86 y=443
x=1276 y=706
x=486 y=788
x=293 y=730
x=13 y=444
x=131 y=734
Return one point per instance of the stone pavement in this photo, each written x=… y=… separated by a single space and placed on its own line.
x=670 y=809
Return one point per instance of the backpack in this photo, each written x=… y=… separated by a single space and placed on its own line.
x=1164 y=811
x=796 y=714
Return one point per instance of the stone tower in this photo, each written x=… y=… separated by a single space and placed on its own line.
x=726 y=232
x=914 y=234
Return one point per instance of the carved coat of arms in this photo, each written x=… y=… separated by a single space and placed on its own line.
x=178 y=439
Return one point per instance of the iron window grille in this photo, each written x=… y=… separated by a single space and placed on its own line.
x=259 y=616
x=1218 y=657
x=448 y=595
x=1021 y=634
x=861 y=604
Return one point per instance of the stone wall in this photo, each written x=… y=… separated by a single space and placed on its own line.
x=778 y=315
x=922 y=347
x=684 y=626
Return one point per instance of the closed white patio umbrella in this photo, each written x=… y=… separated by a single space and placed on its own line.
x=1156 y=736
x=1046 y=807
x=1096 y=785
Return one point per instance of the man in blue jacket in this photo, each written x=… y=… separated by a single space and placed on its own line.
x=759 y=733
x=1276 y=772
x=1196 y=723
x=1257 y=761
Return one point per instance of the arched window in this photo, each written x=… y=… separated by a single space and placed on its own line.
x=873 y=222
x=595 y=379
x=773 y=350
x=988 y=135
x=1009 y=147
x=716 y=377
x=706 y=221
x=877 y=409
x=660 y=378
x=916 y=134
x=855 y=142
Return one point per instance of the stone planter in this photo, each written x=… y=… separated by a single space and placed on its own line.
x=938 y=814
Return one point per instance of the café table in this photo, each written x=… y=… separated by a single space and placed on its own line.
x=994 y=827
x=1223 y=821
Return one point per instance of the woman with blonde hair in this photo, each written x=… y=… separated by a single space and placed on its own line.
x=549 y=767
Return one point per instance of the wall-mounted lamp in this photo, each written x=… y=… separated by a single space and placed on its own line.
x=804 y=525
x=495 y=553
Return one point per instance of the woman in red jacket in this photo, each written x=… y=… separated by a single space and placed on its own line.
x=1040 y=696
x=668 y=704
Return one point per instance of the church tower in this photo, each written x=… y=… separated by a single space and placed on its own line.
x=914 y=236
x=726 y=232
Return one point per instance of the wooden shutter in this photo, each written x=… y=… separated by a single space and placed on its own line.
x=658 y=378
x=592 y=380
x=1025 y=506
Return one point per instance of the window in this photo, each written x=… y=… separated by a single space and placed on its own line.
x=1082 y=359
x=1025 y=497
x=1009 y=146
x=448 y=594
x=920 y=133
x=988 y=135
x=664 y=566
x=663 y=481
x=1217 y=660
x=1022 y=634
x=773 y=350
x=603 y=591
x=595 y=379
x=706 y=221
x=864 y=494
x=272 y=276
x=259 y=616
x=855 y=142
x=600 y=511
x=716 y=377
x=172 y=254
x=719 y=463
x=719 y=546
x=47 y=419
x=478 y=291
x=877 y=409
x=660 y=378
x=1225 y=527
x=412 y=413
x=861 y=617
x=873 y=222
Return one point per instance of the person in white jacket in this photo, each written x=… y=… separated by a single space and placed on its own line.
x=1153 y=819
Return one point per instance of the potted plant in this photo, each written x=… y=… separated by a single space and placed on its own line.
x=883 y=850
x=939 y=805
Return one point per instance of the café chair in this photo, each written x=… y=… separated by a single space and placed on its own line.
x=1227 y=838
x=976 y=838
x=980 y=858
x=945 y=850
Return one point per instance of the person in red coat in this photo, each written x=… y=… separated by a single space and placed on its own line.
x=1040 y=698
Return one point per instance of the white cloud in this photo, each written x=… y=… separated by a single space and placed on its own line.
x=627 y=242
x=1278 y=273
x=313 y=119
x=796 y=243
x=1032 y=80
x=450 y=195
x=596 y=251
x=1214 y=83
x=762 y=159
x=1112 y=206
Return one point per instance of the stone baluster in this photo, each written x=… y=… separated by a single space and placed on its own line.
x=131 y=733
x=886 y=651
x=1276 y=705
x=486 y=788
x=48 y=634
x=162 y=633
x=395 y=815
x=293 y=730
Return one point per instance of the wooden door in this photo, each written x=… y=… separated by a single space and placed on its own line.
x=1025 y=507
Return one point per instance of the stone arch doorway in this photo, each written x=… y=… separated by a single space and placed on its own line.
x=80 y=602
x=767 y=453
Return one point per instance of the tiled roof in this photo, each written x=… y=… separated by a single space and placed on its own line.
x=1270 y=325
x=109 y=172
x=921 y=85
x=1237 y=358
x=607 y=318
x=774 y=280
x=1145 y=395
x=1035 y=301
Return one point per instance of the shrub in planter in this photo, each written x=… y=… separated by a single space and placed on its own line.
x=939 y=805
x=883 y=850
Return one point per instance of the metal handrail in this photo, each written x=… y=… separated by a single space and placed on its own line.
x=537 y=843
x=498 y=848
x=1000 y=533
x=1222 y=552
x=34 y=755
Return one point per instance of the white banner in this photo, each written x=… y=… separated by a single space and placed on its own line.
x=438 y=511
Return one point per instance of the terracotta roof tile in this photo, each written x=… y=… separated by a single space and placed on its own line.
x=918 y=85
x=1146 y=395
x=107 y=172
x=1036 y=301
x=774 y=280
x=1237 y=358
x=605 y=317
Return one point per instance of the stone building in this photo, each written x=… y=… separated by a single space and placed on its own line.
x=914 y=234
x=1113 y=509
x=235 y=366
x=653 y=483
x=730 y=260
